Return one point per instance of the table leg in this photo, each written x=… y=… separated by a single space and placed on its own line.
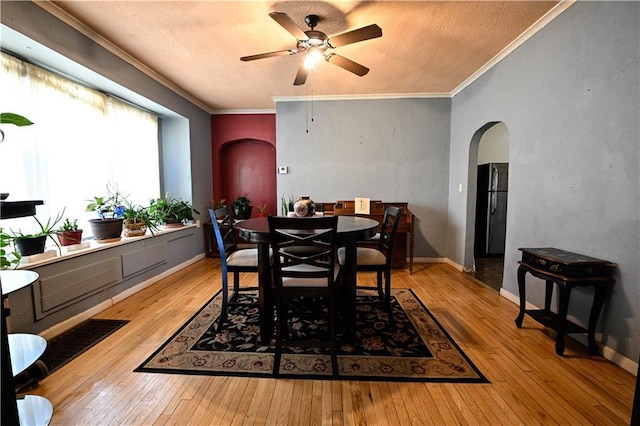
x=265 y=294
x=563 y=307
x=522 y=271
x=548 y=294
x=598 y=301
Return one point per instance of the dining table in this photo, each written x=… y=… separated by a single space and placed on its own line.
x=351 y=229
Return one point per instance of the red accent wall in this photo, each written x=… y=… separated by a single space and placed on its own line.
x=244 y=158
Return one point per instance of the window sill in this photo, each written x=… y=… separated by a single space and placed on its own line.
x=52 y=255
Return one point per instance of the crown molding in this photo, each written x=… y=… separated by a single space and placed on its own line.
x=243 y=111
x=360 y=97
x=526 y=35
x=99 y=39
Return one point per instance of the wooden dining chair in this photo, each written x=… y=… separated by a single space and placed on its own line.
x=232 y=259
x=379 y=259
x=304 y=266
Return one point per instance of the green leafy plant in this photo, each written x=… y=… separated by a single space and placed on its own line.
x=135 y=214
x=170 y=209
x=241 y=207
x=15 y=119
x=68 y=225
x=5 y=261
x=109 y=206
x=47 y=229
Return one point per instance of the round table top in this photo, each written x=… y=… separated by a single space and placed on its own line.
x=15 y=279
x=25 y=350
x=354 y=228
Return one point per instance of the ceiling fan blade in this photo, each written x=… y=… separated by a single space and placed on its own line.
x=288 y=24
x=347 y=64
x=354 y=36
x=301 y=75
x=269 y=55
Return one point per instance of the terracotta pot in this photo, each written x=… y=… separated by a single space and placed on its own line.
x=69 y=238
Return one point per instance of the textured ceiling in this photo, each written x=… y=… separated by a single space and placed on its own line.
x=427 y=47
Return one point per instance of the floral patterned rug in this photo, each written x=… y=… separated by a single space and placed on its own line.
x=414 y=348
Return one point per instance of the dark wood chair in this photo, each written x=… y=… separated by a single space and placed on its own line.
x=238 y=259
x=304 y=266
x=232 y=259
x=379 y=259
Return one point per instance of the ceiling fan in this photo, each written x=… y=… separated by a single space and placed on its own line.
x=317 y=45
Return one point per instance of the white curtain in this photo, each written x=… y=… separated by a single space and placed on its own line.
x=82 y=140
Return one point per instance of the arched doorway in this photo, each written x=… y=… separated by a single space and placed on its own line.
x=248 y=166
x=489 y=164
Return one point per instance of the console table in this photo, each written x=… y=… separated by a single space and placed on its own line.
x=568 y=270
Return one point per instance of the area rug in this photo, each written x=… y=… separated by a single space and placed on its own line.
x=70 y=344
x=415 y=347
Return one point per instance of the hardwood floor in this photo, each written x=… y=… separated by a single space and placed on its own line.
x=530 y=384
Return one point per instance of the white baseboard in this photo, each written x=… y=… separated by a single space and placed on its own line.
x=68 y=324
x=437 y=260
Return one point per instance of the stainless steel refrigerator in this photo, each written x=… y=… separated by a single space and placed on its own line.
x=491 y=208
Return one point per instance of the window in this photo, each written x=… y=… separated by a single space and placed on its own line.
x=81 y=141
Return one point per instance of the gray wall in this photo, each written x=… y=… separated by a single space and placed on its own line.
x=390 y=150
x=570 y=100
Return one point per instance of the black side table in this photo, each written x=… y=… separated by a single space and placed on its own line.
x=568 y=270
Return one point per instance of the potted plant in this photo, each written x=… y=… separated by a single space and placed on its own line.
x=108 y=226
x=68 y=233
x=262 y=209
x=171 y=211
x=290 y=203
x=217 y=204
x=137 y=220
x=30 y=244
x=241 y=207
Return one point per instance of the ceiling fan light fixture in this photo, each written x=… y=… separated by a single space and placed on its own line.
x=316 y=45
x=313 y=57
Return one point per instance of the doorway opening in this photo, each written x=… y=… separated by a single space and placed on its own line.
x=490 y=151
